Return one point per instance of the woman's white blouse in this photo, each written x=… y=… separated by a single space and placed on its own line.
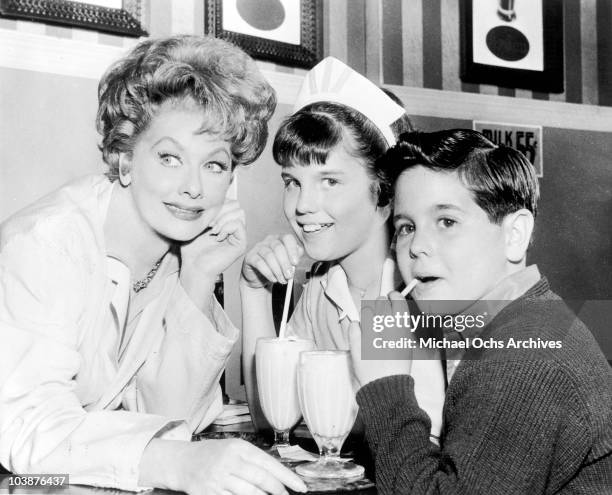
x=73 y=399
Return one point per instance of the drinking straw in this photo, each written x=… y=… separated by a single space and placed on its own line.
x=409 y=287
x=281 y=333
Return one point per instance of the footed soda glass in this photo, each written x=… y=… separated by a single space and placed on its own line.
x=276 y=361
x=329 y=408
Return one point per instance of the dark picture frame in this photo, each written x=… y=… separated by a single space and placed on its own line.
x=548 y=80
x=304 y=55
x=125 y=21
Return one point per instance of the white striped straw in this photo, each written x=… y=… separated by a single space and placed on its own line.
x=281 y=333
x=409 y=287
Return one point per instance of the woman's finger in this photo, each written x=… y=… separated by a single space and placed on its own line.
x=237 y=485
x=227 y=207
x=209 y=216
x=276 y=469
x=236 y=215
x=259 y=479
x=232 y=228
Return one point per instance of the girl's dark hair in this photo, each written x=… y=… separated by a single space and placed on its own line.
x=308 y=137
x=500 y=178
x=235 y=99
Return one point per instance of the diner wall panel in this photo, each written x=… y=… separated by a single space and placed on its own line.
x=47 y=134
x=420 y=46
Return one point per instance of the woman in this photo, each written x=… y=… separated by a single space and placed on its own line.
x=338 y=208
x=113 y=343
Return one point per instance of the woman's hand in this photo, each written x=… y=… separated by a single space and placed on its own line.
x=218 y=246
x=215 y=467
x=212 y=252
x=271 y=260
x=368 y=370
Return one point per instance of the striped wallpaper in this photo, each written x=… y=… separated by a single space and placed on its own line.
x=416 y=43
x=160 y=18
x=412 y=43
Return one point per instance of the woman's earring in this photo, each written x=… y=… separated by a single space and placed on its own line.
x=125 y=178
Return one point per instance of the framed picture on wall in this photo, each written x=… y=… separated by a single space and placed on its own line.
x=112 y=16
x=513 y=43
x=288 y=32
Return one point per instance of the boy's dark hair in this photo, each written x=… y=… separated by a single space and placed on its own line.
x=311 y=134
x=500 y=178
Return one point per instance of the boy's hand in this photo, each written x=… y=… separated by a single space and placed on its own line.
x=272 y=260
x=369 y=370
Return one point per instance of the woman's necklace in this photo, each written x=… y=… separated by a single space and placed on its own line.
x=138 y=285
x=360 y=291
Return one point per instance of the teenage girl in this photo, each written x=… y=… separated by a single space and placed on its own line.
x=338 y=207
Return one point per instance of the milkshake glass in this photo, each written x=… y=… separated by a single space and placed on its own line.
x=328 y=404
x=276 y=363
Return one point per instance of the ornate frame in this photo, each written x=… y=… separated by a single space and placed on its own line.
x=550 y=80
x=126 y=21
x=305 y=55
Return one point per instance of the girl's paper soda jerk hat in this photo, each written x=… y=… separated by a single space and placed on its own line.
x=333 y=81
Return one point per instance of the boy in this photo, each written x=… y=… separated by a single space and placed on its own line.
x=535 y=420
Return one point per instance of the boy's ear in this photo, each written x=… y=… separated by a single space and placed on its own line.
x=125 y=167
x=518 y=227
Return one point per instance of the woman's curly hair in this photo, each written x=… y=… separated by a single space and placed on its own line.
x=236 y=100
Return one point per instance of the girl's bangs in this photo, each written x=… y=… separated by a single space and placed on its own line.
x=305 y=139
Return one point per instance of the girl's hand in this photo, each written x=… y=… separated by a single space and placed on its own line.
x=207 y=467
x=368 y=370
x=218 y=246
x=271 y=260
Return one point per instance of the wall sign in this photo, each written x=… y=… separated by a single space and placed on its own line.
x=526 y=139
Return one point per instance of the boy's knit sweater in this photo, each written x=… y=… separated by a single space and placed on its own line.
x=523 y=421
